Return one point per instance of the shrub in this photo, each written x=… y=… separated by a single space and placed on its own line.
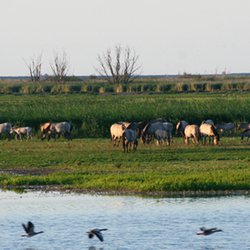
x=75 y=88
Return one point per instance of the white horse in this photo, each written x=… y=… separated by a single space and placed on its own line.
x=116 y=132
x=193 y=132
x=5 y=128
x=22 y=131
x=208 y=130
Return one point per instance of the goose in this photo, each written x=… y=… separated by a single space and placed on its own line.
x=96 y=232
x=208 y=231
x=29 y=229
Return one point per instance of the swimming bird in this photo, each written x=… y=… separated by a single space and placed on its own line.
x=208 y=231
x=96 y=232
x=29 y=229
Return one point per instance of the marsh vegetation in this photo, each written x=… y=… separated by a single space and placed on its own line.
x=94 y=165
x=91 y=163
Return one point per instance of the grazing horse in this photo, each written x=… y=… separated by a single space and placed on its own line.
x=180 y=127
x=243 y=126
x=225 y=127
x=116 y=132
x=129 y=140
x=162 y=136
x=5 y=128
x=208 y=130
x=149 y=130
x=22 y=131
x=245 y=133
x=61 y=128
x=169 y=129
x=192 y=131
x=45 y=128
x=56 y=130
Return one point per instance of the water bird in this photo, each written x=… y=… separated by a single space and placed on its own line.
x=208 y=231
x=29 y=230
x=96 y=232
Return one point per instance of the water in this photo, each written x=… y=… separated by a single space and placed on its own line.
x=132 y=222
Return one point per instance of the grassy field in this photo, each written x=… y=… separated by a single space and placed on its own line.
x=92 y=115
x=94 y=165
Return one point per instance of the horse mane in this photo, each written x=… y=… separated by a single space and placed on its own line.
x=132 y=125
x=145 y=128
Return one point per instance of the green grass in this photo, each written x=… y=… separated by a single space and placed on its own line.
x=93 y=164
x=92 y=115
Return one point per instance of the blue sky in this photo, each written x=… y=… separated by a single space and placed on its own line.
x=170 y=37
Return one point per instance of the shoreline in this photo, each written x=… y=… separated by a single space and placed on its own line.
x=153 y=194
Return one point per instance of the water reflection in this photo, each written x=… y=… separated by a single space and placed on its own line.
x=133 y=223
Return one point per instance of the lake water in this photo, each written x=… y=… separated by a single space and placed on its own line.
x=132 y=222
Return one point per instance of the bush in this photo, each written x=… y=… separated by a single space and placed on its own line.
x=75 y=88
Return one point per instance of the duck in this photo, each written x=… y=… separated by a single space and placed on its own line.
x=96 y=232
x=208 y=231
x=29 y=230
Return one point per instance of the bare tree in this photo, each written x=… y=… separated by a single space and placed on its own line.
x=35 y=68
x=120 y=66
x=60 y=66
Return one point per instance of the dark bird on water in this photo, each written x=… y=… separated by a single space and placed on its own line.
x=29 y=230
x=96 y=232
x=208 y=231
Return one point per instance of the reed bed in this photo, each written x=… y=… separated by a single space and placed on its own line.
x=92 y=115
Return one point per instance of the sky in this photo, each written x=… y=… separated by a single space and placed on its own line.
x=169 y=36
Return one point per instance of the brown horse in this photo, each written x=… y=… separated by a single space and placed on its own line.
x=180 y=127
x=45 y=128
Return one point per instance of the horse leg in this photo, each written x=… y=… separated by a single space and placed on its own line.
x=169 y=139
x=193 y=139
x=118 y=141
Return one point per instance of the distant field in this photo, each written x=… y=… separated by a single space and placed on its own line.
x=94 y=165
x=92 y=115
x=92 y=85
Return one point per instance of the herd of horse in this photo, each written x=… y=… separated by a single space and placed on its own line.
x=48 y=129
x=159 y=130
